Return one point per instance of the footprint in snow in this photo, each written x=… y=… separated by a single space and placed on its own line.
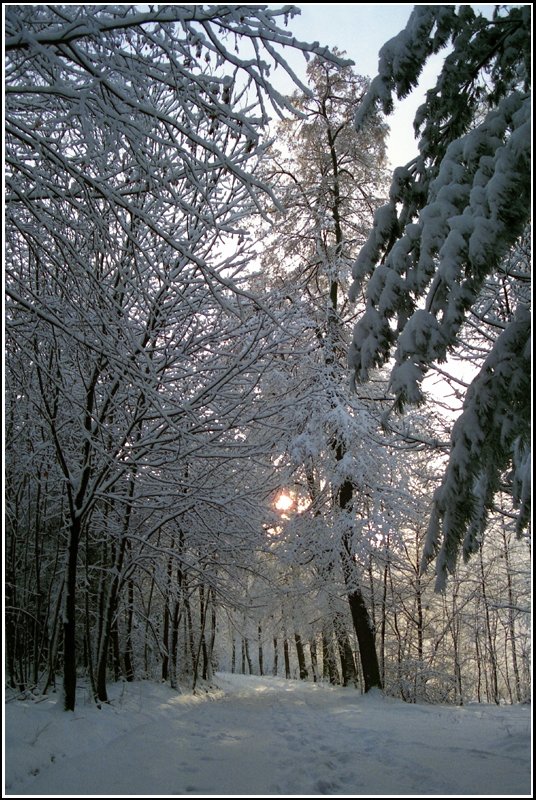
x=327 y=787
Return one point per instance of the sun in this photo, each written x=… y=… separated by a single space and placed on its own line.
x=284 y=502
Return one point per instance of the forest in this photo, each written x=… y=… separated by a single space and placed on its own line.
x=267 y=402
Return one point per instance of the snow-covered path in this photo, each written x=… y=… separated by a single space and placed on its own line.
x=265 y=736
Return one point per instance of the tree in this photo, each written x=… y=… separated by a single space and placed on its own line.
x=132 y=143
x=328 y=178
x=456 y=213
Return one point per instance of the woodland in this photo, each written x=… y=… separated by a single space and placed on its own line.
x=267 y=402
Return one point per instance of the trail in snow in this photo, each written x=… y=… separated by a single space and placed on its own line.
x=264 y=736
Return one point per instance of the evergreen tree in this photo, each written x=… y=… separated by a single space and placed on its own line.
x=455 y=215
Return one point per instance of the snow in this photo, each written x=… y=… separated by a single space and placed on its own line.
x=262 y=736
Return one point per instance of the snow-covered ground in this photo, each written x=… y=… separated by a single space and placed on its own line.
x=264 y=736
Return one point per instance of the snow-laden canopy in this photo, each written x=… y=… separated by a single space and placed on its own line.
x=454 y=216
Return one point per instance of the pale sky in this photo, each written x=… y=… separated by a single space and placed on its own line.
x=361 y=30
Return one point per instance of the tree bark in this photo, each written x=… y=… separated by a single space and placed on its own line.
x=110 y=611
x=328 y=659
x=363 y=626
x=286 y=655
x=349 y=672
x=314 y=660
x=174 y=648
x=362 y=623
x=248 y=657
x=261 y=660
x=128 y=653
x=69 y=619
x=301 y=657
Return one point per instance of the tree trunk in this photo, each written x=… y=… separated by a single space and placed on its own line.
x=203 y=603
x=166 y=645
x=329 y=665
x=54 y=642
x=383 y=623
x=202 y=644
x=419 y=678
x=261 y=664
x=301 y=657
x=212 y=640
x=190 y=627
x=174 y=648
x=248 y=657
x=348 y=669
x=511 y=618
x=87 y=637
x=128 y=654
x=286 y=655
x=69 y=619
x=314 y=660
x=478 y=662
x=349 y=672
x=148 y=626
x=109 y=614
x=365 y=637
x=276 y=657
x=116 y=650
x=363 y=626
x=490 y=637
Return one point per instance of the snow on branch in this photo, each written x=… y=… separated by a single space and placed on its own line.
x=403 y=57
x=494 y=424
x=454 y=216
x=476 y=210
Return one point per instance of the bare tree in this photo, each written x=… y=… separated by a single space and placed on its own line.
x=131 y=143
x=329 y=178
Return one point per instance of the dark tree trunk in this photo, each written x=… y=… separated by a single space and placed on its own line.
x=248 y=657
x=314 y=660
x=190 y=627
x=69 y=619
x=111 y=608
x=202 y=644
x=212 y=641
x=54 y=643
x=301 y=657
x=128 y=655
x=348 y=670
x=286 y=657
x=344 y=496
x=166 y=644
x=364 y=629
x=330 y=670
x=261 y=660
x=365 y=637
x=87 y=647
x=116 y=651
x=174 y=649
